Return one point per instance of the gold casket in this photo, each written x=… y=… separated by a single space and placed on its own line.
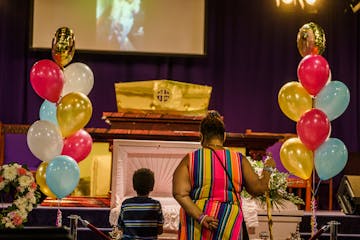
x=163 y=96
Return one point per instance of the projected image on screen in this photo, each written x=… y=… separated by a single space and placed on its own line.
x=115 y=23
x=145 y=26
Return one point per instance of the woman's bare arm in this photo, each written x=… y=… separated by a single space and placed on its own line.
x=182 y=188
x=181 y=192
x=254 y=184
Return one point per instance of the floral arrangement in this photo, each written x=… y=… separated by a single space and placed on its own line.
x=18 y=183
x=278 y=187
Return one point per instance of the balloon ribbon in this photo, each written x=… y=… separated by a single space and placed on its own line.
x=59 y=215
x=59 y=218
x=313 y=220
x=268 y=210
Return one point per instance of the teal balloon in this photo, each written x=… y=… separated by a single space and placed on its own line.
x=48 y=112
x=330 y=158
x=62 y=175
x=333 y=99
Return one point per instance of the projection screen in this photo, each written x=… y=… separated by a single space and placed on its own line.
x=132 y=26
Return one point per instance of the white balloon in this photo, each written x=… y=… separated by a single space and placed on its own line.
x=78 y=78
x=44 y=140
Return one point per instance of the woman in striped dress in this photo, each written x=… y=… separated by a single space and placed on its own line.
x=207 y=184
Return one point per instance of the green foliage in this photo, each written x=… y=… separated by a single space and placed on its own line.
x=278 y=187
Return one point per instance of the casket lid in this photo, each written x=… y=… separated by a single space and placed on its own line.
x=163 y=96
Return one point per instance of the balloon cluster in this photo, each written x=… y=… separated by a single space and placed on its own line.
x=58 y=138
x=313 y=102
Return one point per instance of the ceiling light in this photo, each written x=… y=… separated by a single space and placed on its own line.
x=355 y=7
x=311 y=2
x=287 y=1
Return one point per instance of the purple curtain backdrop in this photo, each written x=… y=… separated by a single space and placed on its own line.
x=251 y=54
x=275 y=150
x=16 y=150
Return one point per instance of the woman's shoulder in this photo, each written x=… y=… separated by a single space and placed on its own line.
x=233 y=150
x=194 y=152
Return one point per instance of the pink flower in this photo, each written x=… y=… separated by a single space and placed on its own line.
x=16 y=218
x=33 y=185
x=21 y=171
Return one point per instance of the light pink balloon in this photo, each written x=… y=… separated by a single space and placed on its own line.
x=78 y=146
x=47 y=79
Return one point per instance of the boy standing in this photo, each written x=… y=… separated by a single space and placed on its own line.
x=141 y=216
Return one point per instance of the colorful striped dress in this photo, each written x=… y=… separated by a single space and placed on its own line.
x=213 y=193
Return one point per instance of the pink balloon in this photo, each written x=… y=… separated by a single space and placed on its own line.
x=47 y=79
x=78 y=146
x=313 y=128
x=313 y=73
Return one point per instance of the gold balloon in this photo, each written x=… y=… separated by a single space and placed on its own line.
x=73 y=112
x=294 y=100
x=311 y=39
x=41 y=180
x=296 y=158
x=63 y=46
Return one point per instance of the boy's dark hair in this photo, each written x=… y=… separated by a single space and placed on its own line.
x=143 y=181
x=212 y=125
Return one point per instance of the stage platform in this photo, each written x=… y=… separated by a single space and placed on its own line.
x=349 y=228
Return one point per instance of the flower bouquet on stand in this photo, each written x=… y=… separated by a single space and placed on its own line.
x=19 y=194
x=277 y=194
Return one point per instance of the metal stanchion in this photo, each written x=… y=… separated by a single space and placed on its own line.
x=87 y=224
x=321 y=231
x=73 y=226
x=333 y=229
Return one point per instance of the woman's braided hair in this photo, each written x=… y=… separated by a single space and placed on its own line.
x=212 y=126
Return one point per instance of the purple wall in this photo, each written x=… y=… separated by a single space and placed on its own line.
x=16 y=150
x=251 y=54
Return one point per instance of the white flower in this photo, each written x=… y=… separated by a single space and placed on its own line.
x=8 y=223
x=31 y=197
x=277 y=186
x=25 y=181
x=29 y=208
x=10 y=173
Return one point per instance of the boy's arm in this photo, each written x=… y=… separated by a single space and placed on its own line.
x=120 y=224
x=161 y=221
